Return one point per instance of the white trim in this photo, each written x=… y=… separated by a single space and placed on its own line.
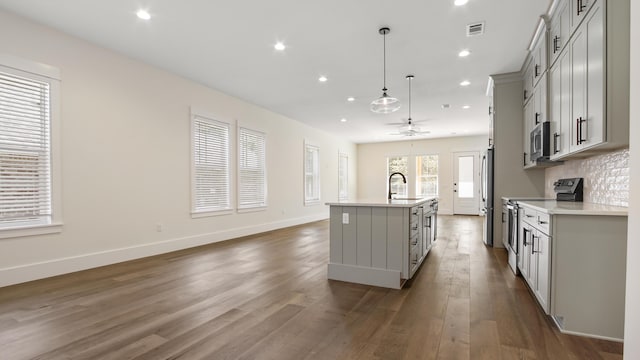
x=41 y=270
x=29 y=66
x=203 y=214
x=30 y=230
x=252 y=209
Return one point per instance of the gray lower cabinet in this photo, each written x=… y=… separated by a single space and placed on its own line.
x=377 y=245
x=575 y=267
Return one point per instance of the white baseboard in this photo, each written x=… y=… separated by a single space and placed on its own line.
x=41 y=270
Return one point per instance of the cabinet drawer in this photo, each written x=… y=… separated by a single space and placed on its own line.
x=414 y=215
x=530 y=216
x=414 y=240
x=543 y=222
x=415 y=259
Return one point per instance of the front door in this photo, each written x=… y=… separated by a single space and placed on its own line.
x=466 y=192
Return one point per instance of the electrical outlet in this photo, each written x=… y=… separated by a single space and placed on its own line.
x=345 y=218
x=159 y=227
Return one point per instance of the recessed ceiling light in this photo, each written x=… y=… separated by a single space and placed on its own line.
x=351 y=99
x=279 y=46
x=322 y=78
x=466 y=106
x=465 y=83
x=464 y=53
x=460 y=2
x=143 y=14
x=343 y=120
x=445 y=106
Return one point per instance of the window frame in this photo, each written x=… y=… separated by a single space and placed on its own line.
x=195 y=212
x=315 y=174
x=437 y=176
x=407 y=175
x=52 y=224
x=264 y=204
x=343 y=176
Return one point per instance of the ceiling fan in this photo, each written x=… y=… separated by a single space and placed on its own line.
x=408 y=128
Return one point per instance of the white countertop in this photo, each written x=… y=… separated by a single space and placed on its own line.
x=554 y=207
x=382 y=202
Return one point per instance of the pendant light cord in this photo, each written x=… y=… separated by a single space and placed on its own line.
x=410 y=78
x=384 y=62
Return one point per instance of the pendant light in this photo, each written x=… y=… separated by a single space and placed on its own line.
x=410 y=124
x=384 y=104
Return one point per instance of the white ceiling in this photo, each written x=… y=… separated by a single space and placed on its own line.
x=228 y=45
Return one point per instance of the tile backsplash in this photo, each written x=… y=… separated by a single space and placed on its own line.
x=606 y=177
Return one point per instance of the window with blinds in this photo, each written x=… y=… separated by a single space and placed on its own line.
x=343 y=177
x=210 y=165
x=427 y=175
x=252 y=180
x=398 y=164
x=311 y=174
x=25 y=166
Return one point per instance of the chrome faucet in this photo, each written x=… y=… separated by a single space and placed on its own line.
x=404 y=180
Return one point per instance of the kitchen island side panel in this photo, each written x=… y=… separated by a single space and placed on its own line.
x=397 y=233
x=335 y=234
x=350 y=237
x=379 y=237
x=364 y=241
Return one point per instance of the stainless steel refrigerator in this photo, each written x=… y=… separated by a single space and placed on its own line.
x=487 y=196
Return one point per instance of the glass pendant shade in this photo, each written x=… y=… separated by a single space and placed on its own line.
x=385 y=104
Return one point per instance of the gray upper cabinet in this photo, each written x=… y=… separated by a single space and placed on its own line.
x=588 y=89
x=579 y=9
x=559 y=31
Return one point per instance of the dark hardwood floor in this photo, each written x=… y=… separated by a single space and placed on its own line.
x=268 y=297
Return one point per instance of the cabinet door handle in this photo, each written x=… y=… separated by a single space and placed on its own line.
x=529 y=216
x=537 y=118
x=503 y=218
x=580 y=7
x=524 y=161
x=579 y=123
x=542 y=222
x=555 y=43
x=533 y=244
x=555 y=143
x=536 y=70
x=525 y=94
x=578 y=131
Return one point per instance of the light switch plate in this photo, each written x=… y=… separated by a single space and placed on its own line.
x=345 y=218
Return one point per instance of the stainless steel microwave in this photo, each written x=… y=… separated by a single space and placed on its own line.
x=540 y=141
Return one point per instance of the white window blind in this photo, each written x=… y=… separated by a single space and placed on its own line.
x=210 y=165
x=311 y=174
x=25 y=169
x=427 y=175
x=252 y=180
x=343 y=177
x=398 y=164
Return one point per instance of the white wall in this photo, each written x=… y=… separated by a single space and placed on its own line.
x=372 y=164
x=632 y=315
x=126 y=160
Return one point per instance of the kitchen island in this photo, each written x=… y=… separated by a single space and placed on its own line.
x=380 y=242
